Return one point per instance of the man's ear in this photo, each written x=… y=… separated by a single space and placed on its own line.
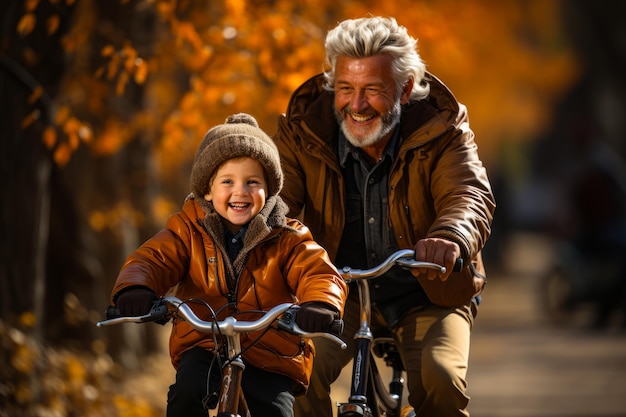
x=406 y=91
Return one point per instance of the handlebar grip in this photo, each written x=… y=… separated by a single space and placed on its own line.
x=336 y=327
x=158 y=313
x=458 y=265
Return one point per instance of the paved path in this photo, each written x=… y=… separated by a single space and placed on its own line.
x=524 y=366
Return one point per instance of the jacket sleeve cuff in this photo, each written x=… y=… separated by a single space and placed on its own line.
x=455 y=237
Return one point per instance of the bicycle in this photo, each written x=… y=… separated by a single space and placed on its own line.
x=369 y=397
x=231 y=401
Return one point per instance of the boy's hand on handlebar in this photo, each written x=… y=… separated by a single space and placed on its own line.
x=315 y=316
x=136 y=301
x=436 y=250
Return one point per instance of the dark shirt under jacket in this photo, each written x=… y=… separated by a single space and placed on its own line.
x=234 y=242
x=368 y=237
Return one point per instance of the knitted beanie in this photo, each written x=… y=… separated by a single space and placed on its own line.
x=239 y=136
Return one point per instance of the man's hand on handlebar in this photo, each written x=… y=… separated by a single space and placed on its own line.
x=436 y=250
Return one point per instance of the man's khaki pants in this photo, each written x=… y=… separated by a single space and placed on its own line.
x=434 y=345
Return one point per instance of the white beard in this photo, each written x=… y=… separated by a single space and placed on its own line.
x=386 y=124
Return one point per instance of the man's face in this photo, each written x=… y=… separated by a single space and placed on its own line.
x=367 y=104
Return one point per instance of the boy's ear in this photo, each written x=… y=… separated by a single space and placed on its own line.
x=207 y=197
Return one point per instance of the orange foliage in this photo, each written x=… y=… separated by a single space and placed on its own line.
x=62 y=154
x=30 y=118
x=49 y=137
x=112 y=137
x=35 y=95
x=26 y=24
x=507 y=61
x=52 y=24
x=70 y=383
x=30 y=5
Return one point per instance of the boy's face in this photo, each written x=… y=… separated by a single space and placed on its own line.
x=238 y=191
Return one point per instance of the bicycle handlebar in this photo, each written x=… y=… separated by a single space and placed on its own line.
x=403 y=257
x=230 y=326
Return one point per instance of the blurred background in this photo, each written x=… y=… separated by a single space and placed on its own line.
x=104 y=102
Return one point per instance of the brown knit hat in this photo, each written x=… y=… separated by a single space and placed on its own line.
x=239 y=136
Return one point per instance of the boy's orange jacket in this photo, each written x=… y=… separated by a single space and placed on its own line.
x=284 y=265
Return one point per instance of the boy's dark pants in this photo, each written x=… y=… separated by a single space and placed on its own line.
x=267 y=393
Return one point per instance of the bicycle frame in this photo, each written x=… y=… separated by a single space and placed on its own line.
x=231 y=401
x=367 y=391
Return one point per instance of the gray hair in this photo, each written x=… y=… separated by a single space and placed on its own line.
x=371 y=36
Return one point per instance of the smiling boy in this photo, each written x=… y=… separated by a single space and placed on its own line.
x=231 y=247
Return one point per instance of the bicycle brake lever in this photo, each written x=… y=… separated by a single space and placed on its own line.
x=159 y=313
x=287 y=321
x=410 y=263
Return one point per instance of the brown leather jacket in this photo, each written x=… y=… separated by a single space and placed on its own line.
x=283 y=264
x=438 y=186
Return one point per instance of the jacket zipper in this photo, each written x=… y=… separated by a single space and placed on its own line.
x=408 y=219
